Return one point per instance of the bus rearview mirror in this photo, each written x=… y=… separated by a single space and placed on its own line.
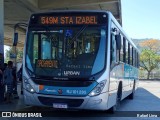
x=15 y=39
x=118 y=41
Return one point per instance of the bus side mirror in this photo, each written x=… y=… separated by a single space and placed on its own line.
x=118 y=41
x=15 y=39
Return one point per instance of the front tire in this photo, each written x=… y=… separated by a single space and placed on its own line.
x=114 y=108
x=131 y=96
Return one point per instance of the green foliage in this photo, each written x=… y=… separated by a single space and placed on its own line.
x=11 y=50
x=149 y=60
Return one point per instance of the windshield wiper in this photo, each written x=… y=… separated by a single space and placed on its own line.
x=47 y=31
x=77 y=35
x=52 y=31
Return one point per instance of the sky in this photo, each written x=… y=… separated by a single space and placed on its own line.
x=141 y=18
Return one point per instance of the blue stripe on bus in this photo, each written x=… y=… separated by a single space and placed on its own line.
x=70 y=91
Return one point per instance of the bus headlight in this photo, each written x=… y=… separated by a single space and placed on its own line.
x=97 y=90
x=28 y=86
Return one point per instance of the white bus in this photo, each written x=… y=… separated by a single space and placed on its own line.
x=78 y=60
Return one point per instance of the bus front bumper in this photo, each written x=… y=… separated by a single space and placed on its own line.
x=98 y=102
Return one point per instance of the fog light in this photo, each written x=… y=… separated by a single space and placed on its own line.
x=98 y=101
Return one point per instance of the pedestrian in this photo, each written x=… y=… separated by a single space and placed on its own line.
x=5 y=66
x=15 y=93
x=2 y=88
x=8 y=80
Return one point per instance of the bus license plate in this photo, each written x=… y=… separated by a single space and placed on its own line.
x=59 y=105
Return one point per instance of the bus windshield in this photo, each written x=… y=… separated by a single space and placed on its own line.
x=76 y=51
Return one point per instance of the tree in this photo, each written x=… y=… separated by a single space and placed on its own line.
x=19 y=54
x=151 y=44
x=149 y=60
x=150 y=52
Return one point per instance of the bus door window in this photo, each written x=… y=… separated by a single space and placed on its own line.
x=56 y=49
x=88 y=46
x=113 y=49
x=70 y=44
x=46 y=47
x=115 y=53
x=51 y=46
x=60 y=50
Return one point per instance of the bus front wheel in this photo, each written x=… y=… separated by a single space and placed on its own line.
x=118 y=99
x=131 y=96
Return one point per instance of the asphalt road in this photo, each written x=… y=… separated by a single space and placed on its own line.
x=145 y=106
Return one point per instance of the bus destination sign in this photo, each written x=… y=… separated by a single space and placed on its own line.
x=68 y=20
x=47 y=63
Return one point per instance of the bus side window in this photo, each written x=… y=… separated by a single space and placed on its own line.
x=137 y=60
x=131 y=55
x=121 y=51
x=124 y=50
x=128 y=53
x=117 y=55
x=134 y=57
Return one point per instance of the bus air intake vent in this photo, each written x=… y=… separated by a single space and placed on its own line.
x=48 y=101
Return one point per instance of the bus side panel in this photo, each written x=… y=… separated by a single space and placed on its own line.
x=126 y=74
x=127 y=89
x=116 y=75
